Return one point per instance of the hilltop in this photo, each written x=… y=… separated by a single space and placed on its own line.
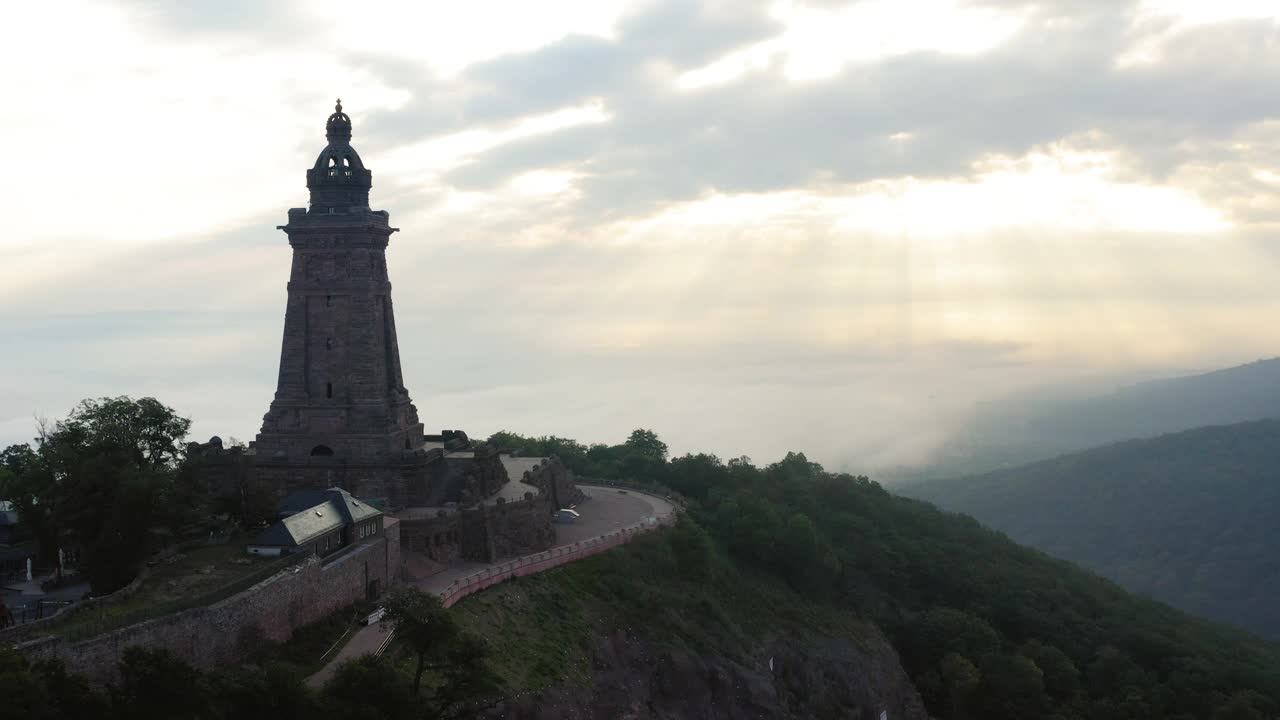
x=1036 y=425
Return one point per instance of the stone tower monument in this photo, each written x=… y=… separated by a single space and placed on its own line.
x=341 y=412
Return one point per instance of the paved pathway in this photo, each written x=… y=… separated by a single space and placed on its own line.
x=608 y=509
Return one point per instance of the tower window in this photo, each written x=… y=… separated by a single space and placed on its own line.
x=328 y=301
x=328 y=343
x=328 y=389
x=322 y=451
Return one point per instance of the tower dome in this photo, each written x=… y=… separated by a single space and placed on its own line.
x=339 y=182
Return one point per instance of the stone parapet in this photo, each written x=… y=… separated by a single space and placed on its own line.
x=221 y=633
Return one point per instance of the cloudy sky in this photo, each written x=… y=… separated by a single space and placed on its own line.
x=826 y=226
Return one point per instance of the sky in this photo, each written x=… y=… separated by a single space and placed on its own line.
x=820 y=226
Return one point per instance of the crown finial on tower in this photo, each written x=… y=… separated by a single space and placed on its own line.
x=338 y=128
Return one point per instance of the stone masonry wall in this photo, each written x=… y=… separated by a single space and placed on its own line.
x=217 y=634
x=484 y=476
x=435 y=537
x=555 y=479
x=391 y=530
x=523 y=527
x=395 y=483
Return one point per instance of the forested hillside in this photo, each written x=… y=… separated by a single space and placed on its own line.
x=1035 y=426
x=785 y=591
x=1189 y=518
x=985 y=627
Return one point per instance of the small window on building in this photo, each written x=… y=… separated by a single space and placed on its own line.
x=328 y=301
x=328 y=390
x=328 y=343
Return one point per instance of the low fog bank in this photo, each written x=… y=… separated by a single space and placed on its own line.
x=890 y=412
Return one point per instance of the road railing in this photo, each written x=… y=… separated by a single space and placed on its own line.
x=547 y=559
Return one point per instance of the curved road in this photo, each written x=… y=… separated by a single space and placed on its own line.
x=607 y=510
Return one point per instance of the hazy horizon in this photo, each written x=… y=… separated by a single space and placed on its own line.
x=753 y=227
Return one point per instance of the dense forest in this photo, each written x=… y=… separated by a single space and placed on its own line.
x=1189 y=518
x=984 y=627
x=1039 y=424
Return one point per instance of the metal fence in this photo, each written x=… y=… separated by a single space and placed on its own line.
x=39 y=609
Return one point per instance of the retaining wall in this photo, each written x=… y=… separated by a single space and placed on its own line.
x=220 y=633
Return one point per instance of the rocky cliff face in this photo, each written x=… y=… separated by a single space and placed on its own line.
x=827 y=679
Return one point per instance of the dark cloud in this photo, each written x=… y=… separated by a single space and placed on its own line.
x=1058 y=78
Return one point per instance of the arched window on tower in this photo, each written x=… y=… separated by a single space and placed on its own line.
x=322 y=451
x=328 y=389
x=339 y=165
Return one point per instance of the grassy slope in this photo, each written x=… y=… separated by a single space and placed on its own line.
x=540 y=627
x=192 y=573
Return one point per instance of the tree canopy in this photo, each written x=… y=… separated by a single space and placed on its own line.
x=105 y=482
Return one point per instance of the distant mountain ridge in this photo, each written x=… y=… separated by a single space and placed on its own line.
x=1190 y=518
x=1024 y=428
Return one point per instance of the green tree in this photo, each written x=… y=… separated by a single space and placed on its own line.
x=1061 y=678
x=105 y=480
x=155 y=685
x=959 y=678
x=24 y=482
x=425 y=625
x=1245 y=705
x=44 y=691
x=696 y=475
x=452 y=658
x=646 y=444
x=1012 y=688
x=277 y=691
x=693 y=549
x=370 y=688
x=938 y=631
